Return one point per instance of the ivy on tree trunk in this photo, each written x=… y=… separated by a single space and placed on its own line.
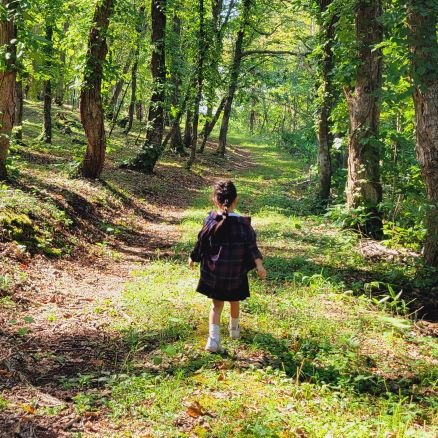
x=422 y=20
x=364 y=189
x=7 y=82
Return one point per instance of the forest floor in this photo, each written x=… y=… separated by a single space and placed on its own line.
x=102 y=333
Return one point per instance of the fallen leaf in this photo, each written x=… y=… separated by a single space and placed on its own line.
x=29 y=409
x=195 y=410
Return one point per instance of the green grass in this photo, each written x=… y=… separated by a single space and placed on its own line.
x=314 y=359
x=318 y=356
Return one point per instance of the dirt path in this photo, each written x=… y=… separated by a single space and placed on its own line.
x=56 y=324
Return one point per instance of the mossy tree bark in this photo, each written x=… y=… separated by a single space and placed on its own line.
x=364 y=189
x=7 y=82
x=422 y=20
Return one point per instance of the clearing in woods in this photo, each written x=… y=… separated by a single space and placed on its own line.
x=109 y=341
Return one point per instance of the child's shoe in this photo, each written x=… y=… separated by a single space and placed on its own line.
x=214 y=340
x=213 y=345
x=234 y=328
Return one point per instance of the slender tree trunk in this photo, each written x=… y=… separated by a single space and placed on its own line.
x=60 y=86
x=234 y=76
x=176 y=142
x=92 y=115
x=422 y=20
x=188 y=129
x=46 y=135
x=131 y=107
x=199 y=81
x=119 y=87
x=140 y=31
x=325 y=138
x=152 y=148
x=209 y=126
x=363 y=186
x=7 y=84
x=139 y=111
x=19 y=109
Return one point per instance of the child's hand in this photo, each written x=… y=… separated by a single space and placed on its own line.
x=262 y=272
x=191 y=263
x=260 y=269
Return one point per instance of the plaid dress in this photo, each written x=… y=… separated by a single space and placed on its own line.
x=225 y=263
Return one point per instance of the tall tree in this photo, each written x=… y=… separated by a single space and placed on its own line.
x=422 y=21
x=364 y=188
x=325 y=139
x=152 y=148
x=46 y=135
x=199 y=82
x=140 y=31
x=234 y=75
x=176 y=60
x=91 y=109
x=7 y=79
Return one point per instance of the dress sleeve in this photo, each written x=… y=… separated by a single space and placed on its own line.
x=196 y=253
x=252 y=245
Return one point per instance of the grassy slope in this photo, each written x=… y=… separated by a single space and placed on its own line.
x=313 y=360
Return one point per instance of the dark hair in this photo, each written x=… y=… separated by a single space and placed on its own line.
x=224 y=193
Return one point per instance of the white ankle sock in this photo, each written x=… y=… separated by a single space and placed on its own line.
x=234 y=323
x=214 y=331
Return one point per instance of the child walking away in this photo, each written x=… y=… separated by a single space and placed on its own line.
x=227 y=250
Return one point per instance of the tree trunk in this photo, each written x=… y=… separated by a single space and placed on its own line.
x=152 y=147
x=422 y=19
x=140 y=31
x=119 y=87
x=234 y=76
x=60 y=86
x=7 y=83
x=325 y=138
x=175 y=58
x=92 y=115
x=46 y=135
x=209 y=126
x=19 y=109
x=363 y=186
x=131 y=107
x=188 y=129
x=199 y=81
x=139 y=111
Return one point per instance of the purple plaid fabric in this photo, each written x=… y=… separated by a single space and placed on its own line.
x=225 y=263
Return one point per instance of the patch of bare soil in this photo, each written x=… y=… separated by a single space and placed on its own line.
x=55 y=313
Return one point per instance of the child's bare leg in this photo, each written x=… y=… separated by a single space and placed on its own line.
x=234 y=309
x=215 y=312
x=234 y=327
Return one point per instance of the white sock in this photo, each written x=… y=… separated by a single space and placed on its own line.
x=214 y=331
x=234 y=323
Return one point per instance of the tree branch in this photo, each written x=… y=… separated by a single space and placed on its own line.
x=272 y=53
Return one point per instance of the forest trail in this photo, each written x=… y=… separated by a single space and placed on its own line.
x=110 y=343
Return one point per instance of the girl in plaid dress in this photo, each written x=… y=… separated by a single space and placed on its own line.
x=227 y=250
